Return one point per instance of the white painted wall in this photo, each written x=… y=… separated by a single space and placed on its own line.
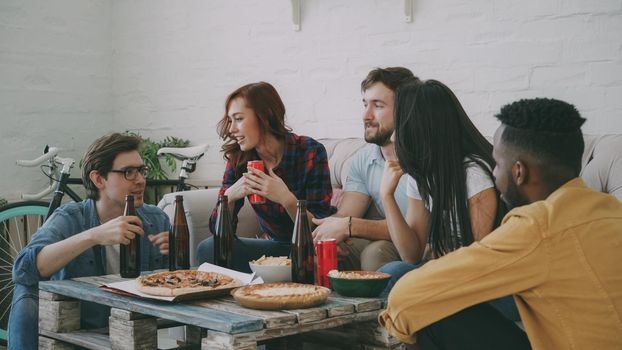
x=55 y=83
x=170 y=64
x=175 y=62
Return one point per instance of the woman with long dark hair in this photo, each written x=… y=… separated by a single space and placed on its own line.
x=253 y=128
x=452 y=197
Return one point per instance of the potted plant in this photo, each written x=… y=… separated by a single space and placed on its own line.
x=149 y=153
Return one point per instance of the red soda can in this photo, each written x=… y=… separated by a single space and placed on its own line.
x=256 y=164
x=326 y=260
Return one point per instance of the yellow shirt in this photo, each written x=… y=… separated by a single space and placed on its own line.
x=560 y=258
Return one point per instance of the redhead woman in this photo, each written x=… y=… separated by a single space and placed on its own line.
x=253 y=128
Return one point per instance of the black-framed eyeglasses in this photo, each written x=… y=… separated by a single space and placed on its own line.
x=130 y=173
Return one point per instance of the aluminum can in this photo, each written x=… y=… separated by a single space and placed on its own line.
x=256 y=164
x=326 y=260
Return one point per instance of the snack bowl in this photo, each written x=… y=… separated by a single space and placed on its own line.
x=364 y=284
x=272 y=273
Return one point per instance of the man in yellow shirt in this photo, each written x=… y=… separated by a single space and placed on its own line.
x=557 y=252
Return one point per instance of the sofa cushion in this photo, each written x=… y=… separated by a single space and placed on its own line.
x=602 y=163
x=340 y=152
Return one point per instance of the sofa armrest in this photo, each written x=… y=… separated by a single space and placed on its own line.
x=602 y=163
x=198 y=205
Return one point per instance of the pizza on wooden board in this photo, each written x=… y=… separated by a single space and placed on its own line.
x=281 y=296
x=174 y=283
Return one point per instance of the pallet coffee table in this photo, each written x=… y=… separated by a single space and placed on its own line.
x=217 y=323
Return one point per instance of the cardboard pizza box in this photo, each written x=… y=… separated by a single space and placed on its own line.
x=130 y=286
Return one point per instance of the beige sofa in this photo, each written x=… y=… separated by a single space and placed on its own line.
x=601 y=170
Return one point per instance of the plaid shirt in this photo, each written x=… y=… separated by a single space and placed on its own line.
x=304 y=169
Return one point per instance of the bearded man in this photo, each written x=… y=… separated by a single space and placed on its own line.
x=365 y=243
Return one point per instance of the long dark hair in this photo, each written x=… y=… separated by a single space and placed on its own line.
x=263 y=99
x=434 y=138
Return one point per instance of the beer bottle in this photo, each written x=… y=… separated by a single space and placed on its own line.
x=302 y=247
x=224 y=235
x=171 y=249
x=179 y=238
x=130 y=253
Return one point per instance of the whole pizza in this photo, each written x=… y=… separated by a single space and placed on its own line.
x=174 y=283
x=280 y=296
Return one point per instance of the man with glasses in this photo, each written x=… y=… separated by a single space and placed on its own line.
x=83 y=239
x=132 y=173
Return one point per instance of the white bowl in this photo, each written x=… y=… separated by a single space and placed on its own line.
x=272 y=273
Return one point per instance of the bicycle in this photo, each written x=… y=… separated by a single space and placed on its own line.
x=20 y=220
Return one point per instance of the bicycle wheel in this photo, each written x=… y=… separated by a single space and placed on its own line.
x=18 y=222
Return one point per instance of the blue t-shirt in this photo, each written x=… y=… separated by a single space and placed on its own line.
x=365 y=176
x=74 y=218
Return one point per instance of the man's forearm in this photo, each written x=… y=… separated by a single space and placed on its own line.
x=373 y=230
x=55 y=256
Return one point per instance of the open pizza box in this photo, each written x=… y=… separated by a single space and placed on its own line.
x=130 y=286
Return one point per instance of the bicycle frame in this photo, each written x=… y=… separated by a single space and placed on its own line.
x=180 y=184
x=188 y=156
x=62 y=188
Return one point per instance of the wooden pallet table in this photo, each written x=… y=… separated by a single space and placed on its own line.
x=217 y=323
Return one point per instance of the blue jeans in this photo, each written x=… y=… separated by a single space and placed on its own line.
x=24 y=318
x=244 y=250
x=397 y=269
x=506 y=305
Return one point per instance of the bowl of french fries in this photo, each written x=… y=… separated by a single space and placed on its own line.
x=272 y=268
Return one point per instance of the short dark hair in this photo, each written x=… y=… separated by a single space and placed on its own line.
x=100 y=156
x=547 y=129
x=392 y=77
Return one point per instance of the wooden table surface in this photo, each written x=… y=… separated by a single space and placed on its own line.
x=225 y=321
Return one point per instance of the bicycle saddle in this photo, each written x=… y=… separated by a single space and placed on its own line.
x=184 y=153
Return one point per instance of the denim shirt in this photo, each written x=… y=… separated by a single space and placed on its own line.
x=72 y=219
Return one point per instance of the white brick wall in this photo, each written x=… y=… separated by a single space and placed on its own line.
x=55 y=83
x=165 y=67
